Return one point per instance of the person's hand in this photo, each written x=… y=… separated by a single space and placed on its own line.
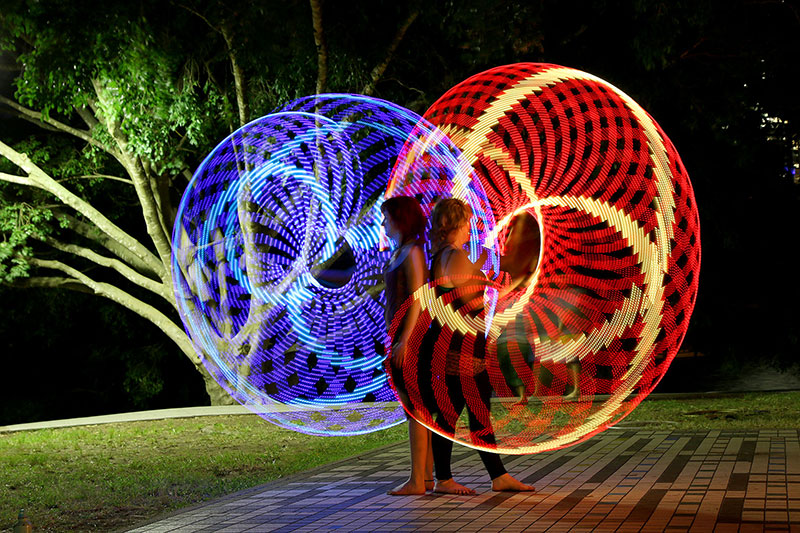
x=398 y=354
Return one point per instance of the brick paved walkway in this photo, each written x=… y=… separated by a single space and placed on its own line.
x=622 y=480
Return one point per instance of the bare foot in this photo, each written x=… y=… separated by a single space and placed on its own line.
x=449 y=486
x=523 y=401
x=506 y=483
x=428 y=484
x=407 y=489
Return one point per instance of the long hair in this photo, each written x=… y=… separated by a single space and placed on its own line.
x=407 y=216
x=448 y=215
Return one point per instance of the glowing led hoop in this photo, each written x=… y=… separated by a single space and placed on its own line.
x=272 y=208
x=619 y=263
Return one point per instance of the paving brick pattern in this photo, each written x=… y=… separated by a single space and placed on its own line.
x=622 y=480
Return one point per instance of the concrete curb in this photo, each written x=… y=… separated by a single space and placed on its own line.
x=225 y=410
x=158 y=414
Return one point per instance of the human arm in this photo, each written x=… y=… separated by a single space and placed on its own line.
x=336 y=271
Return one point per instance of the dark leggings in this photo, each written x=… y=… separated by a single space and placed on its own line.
x=443 y=448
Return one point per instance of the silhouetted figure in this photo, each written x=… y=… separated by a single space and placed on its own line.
x=404 y=223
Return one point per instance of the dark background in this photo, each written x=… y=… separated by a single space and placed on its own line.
x=716 y=75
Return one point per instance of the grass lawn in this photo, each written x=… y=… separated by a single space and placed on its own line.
x=775 y=410
x=106 y=477
x=116 y=475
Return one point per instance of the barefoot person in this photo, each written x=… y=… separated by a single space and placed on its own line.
x=452 y=269
x=406 y=271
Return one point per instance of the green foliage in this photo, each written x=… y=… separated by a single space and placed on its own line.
x=19 y=221
x=141 y=69
x=144 y=91
x=65 y=162
x=57 y=70
x=158 y=76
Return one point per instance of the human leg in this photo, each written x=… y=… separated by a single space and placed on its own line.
x=501 y=479
x=507 y=366
x=442 y=449
x=574 y=370
x=442 y=453
x=419 y=445
x=429 y=463
x=508 y=483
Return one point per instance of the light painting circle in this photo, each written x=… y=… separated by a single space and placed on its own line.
x=277 y=263
x=603 y=314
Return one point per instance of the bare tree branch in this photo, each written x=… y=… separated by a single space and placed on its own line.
x=238 y=72
x=42 y=180
x=200 y=15
x=220 y=88
x=380 y=68
x=104 y=176
x=159 y=188
x=87 y=117
x=238 y=76
x=172 y=330
x=84 y=284
x=51 y=282
x=143 y=309
x=32 y=120
x=150 y=213
x=694 y=47
x=95 y=110
x=789 y=5
x=19 y=180
x=180 y=144
x=60 y=126
x=322 y=48
x=94 y=234
x=117 y=265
